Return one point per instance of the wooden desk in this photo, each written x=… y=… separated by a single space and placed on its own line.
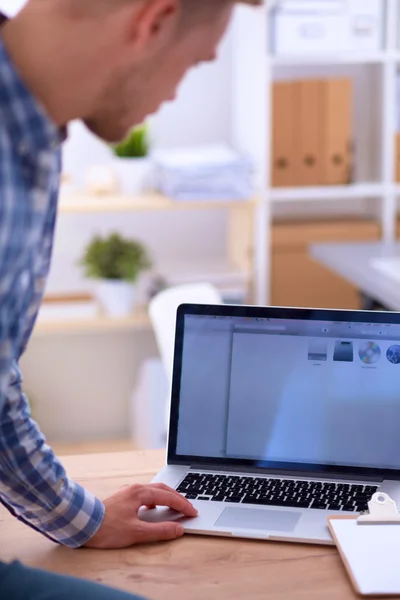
x=192 y=568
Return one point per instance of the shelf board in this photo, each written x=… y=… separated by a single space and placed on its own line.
x=99 y=324
x=86 y=203
x=333 y=59
x=343 y=192
x=79 y=313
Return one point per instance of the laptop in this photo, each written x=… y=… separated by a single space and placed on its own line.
x=280 y=418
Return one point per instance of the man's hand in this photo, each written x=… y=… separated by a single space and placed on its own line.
x=122 y=527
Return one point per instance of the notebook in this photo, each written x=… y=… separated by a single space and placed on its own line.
x=371 y=554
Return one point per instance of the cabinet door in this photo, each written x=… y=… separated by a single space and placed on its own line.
x=298 y=280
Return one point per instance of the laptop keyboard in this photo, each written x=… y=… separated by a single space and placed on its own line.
x=277 y=492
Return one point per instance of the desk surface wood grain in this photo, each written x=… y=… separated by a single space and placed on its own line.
x=192 y=568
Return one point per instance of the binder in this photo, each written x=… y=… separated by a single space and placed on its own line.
x=370 y=547
x=337 y=107
x=283 y=134
x=308 y=132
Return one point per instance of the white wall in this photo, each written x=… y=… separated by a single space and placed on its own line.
x=81 y=385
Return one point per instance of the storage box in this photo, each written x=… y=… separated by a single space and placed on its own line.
x=310 y=126
x=337 y=131
x=316 y=27
x=283 y=134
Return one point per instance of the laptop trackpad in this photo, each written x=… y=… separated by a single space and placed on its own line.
x=253 y=518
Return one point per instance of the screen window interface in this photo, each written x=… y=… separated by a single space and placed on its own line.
x=292 y=391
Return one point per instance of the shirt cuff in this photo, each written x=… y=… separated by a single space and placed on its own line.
x=75 y=520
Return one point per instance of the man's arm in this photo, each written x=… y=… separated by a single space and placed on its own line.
x=34 y=484
x=34 y=487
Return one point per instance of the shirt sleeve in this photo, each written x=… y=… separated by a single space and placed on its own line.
x=33 y=482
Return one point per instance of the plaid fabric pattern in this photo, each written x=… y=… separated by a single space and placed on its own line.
x=33 y=483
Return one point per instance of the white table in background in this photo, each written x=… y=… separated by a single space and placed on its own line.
x=355 y=263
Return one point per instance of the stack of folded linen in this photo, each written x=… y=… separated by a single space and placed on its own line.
x=204 y=173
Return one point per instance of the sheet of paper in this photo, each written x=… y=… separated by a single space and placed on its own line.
x=372 y=553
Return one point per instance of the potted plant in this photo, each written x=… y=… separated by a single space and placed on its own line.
x=116 y=263
x=132 y=163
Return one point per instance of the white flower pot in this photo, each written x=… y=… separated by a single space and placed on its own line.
x=134 y=175
x=117 y=298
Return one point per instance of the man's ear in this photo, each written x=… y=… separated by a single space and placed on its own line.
x=154 y=26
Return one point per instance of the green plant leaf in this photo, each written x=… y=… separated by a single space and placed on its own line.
x=115 y=257
x=135 y=145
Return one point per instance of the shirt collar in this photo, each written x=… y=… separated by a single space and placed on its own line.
x=30 y=127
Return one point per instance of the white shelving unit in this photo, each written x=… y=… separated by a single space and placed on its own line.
x=70 y=313
x=254 y=73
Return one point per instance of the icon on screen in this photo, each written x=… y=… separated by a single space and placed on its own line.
x=369 y=353
x=343 y=352
x=318 y=351
x=393 y=354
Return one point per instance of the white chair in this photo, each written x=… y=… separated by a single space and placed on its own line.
x=148 y=406
x=150 y=401
x=163 y=309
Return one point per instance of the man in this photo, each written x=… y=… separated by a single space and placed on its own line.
x=109 y=63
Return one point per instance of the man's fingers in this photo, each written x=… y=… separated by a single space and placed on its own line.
x=163 y=486
x=152 y=496
x=157 y=532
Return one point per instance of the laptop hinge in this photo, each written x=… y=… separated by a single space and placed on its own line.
x=284 y=473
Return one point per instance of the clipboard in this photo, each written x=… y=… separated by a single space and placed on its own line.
x=369 y=546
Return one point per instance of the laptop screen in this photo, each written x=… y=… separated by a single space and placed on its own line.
x=293 y=391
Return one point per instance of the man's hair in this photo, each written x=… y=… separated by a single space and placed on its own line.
x=194 y=7
x=195 y=12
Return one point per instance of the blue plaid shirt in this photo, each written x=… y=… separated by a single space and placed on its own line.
x=33 y=483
